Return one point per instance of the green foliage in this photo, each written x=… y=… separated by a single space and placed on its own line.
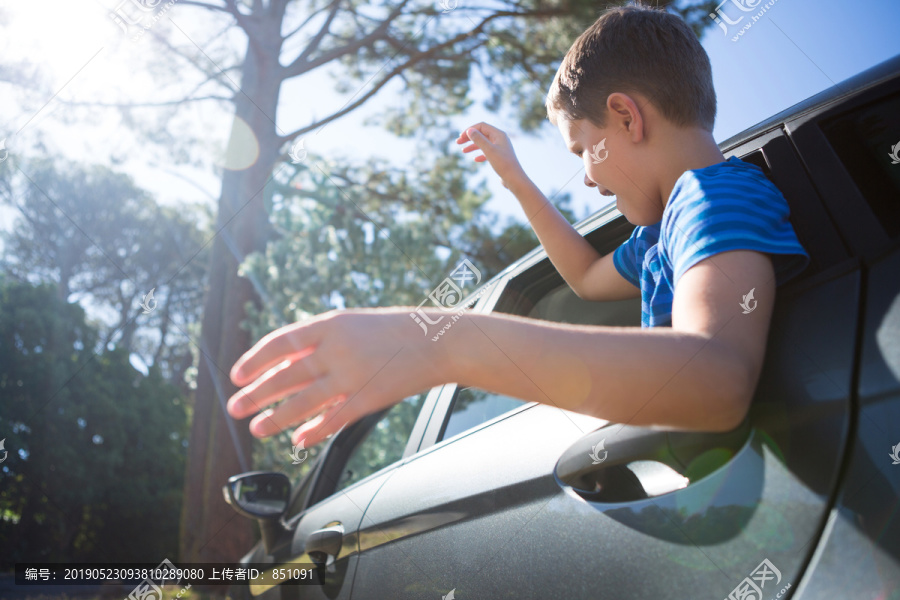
x=514 y=47
x=96 y=449
x=104 y=241
x=375 y=235
x=524 y=54
x=371 y=236
x=356 y=237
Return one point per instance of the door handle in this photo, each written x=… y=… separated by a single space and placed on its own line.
x=323 y=545
x=596 y=466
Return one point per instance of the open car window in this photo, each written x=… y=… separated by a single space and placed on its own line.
x=472 y=406
x=383 y=444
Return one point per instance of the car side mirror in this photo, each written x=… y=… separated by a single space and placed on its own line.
x=259 y=494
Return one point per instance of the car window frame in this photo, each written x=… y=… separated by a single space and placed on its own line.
x=849 y=210
x=364 y=436
x=310 y=478
x=809 y=217
x=333 y=458
x=532 y=276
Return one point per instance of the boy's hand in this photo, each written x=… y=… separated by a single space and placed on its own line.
x=348 y=364
x=497 y=150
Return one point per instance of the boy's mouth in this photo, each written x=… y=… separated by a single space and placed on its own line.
x=603 y=191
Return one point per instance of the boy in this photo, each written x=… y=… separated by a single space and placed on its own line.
x=634 y=99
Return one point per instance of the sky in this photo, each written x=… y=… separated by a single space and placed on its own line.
x=797 y=49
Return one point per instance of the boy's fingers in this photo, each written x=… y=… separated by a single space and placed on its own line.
x=482 y=128
x=255 y=397
x=475 y=135
x=328 y=423
x=299 y=407
x=480 y=134
x=480 y=141
x=287 y=343
x=275 y=384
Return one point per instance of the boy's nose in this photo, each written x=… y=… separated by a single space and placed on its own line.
x=588 y=182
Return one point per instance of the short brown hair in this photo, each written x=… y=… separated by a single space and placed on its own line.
x=636 y=49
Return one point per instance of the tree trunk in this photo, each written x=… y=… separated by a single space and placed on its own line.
x=210 y=530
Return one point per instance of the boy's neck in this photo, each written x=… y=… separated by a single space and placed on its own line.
x=685 y=149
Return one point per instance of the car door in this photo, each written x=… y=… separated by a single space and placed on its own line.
x=851 y=150
x=327 y=505
x=531 y=504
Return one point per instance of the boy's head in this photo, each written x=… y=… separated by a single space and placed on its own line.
x=636 y=88
x=636 y=49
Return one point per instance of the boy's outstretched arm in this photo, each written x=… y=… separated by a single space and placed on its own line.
x=590 y=276
x=700 y=374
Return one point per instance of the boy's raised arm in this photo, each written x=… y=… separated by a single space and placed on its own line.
x=590 y=276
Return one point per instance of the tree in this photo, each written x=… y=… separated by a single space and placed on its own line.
x=96 y=449
x=101 y=239
x=350 y=245
x=397 y=41
x=426 y=53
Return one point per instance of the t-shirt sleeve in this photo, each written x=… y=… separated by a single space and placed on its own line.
x=752 y=217
x=625 y=258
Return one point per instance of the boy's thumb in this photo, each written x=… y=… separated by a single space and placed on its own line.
x=480 y=140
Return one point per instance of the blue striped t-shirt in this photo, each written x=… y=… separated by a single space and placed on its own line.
x=727 y=206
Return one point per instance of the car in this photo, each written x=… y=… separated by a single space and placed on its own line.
x=461 y=493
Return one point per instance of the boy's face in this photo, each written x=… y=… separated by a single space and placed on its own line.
x=582 y=138
x=608 y=156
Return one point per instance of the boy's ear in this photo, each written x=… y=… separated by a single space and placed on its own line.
x=625 y=114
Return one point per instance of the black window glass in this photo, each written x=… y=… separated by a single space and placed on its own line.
x=867 y=141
